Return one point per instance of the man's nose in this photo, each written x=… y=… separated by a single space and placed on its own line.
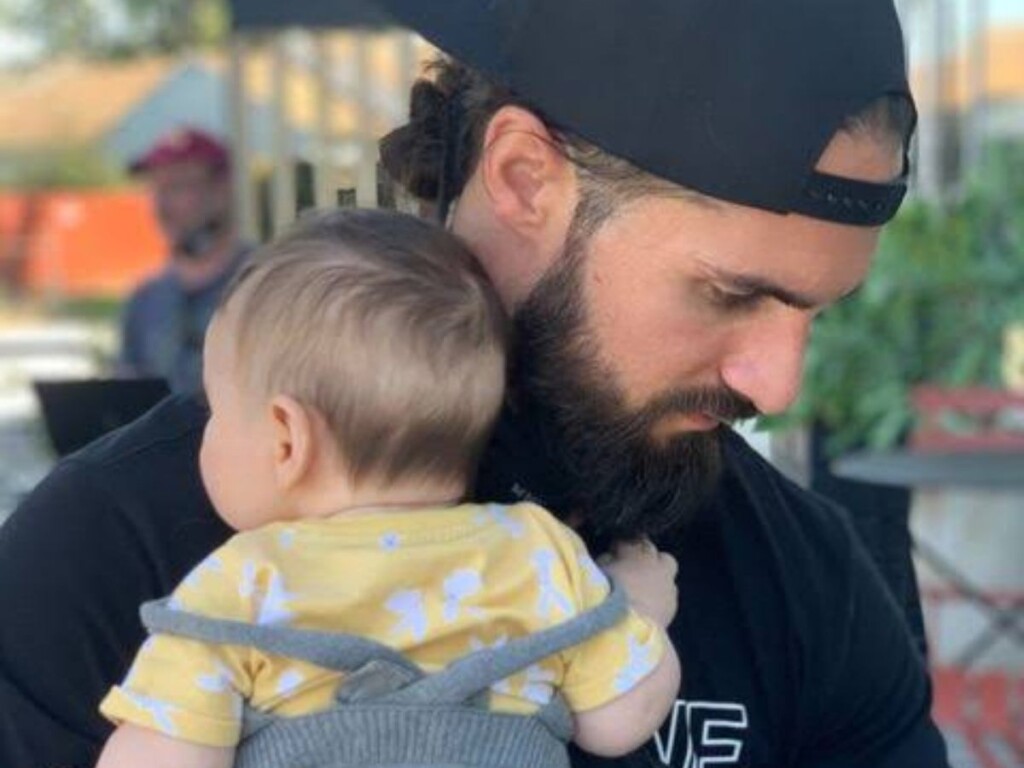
x=766 y=361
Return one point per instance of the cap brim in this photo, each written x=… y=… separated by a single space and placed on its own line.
x=466 y=29
x=147 y=164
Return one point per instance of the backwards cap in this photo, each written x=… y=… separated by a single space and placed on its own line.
x=183 y=145
x=736 y=99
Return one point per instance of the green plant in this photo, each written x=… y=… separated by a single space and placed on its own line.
x=945 y=282
x=116 y=28
x=91 y=309
x=64 y=168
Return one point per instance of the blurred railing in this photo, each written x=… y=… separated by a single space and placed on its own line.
x=353 y=85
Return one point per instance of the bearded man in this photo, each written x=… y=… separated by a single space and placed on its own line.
x=665 y=194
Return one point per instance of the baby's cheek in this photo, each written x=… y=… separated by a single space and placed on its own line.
x=205 y=470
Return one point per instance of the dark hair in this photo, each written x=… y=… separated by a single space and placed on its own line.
x=456 y=97
x=385 y=325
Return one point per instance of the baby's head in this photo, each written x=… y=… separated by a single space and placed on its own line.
x=359 y=359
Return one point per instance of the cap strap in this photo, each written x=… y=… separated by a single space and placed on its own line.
x=848 y=201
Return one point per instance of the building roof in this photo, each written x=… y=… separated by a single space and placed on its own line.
x=74 y=103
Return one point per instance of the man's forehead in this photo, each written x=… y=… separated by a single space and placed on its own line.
x=864 y=156
x=814 y=262
x=188 y=170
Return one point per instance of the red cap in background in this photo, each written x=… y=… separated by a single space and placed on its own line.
x=183 y=145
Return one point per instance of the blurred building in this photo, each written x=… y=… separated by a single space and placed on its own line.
x=116 y=109
x=113 y=110
x=967 y=69
x=331 y=93
x=288 y=103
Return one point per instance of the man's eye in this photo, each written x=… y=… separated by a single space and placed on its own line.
x=727 y=299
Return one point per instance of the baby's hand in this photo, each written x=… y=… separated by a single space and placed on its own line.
x=648 y=576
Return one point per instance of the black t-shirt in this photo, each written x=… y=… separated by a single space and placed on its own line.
x=793 y=652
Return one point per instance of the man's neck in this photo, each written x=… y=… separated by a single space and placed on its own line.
x=196 y=272
x=518 y=466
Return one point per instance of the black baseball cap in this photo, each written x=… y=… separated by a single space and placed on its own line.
x=736 y=99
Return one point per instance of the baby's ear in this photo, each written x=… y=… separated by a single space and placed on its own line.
x=294 y=441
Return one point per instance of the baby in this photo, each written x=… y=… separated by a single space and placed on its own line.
x=354 y=371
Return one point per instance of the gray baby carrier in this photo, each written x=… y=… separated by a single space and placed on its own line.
x=389 y=712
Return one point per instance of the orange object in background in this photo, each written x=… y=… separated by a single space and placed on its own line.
x=982 y=713
x=77 y=243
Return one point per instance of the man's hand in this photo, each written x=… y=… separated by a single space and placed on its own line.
x=648 y=576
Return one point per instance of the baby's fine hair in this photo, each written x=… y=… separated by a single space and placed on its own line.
x=386 y=326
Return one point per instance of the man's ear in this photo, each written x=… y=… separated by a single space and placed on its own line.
x=527 y=177
x=294 y=441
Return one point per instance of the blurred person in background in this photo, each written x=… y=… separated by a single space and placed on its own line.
x=188 y=173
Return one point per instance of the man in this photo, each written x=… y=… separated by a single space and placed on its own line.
x=656 y=299
x=189 y=175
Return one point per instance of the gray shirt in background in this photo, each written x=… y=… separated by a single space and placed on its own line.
x=164 y=325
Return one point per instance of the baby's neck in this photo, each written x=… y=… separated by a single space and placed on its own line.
x=373 y=498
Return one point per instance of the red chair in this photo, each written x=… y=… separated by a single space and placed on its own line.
x=986 y=709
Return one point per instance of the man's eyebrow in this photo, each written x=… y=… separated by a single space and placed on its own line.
x=759 y=286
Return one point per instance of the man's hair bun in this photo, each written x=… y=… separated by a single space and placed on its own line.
x=412 y=154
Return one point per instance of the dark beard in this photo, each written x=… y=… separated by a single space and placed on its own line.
x=623 y=483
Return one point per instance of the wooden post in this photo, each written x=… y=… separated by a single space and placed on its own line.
x=323 y=142
x=366 y=168
x=282 y=161
x=244 y=199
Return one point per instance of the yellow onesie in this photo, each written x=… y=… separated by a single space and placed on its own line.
x=435 y=584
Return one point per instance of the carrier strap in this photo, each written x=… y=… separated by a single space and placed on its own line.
x=457 y=683
x=338 y=652
x=478 y=671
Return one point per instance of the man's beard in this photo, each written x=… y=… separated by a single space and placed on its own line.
x=622 y=481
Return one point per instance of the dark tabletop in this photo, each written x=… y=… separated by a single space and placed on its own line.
x=993 y=471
